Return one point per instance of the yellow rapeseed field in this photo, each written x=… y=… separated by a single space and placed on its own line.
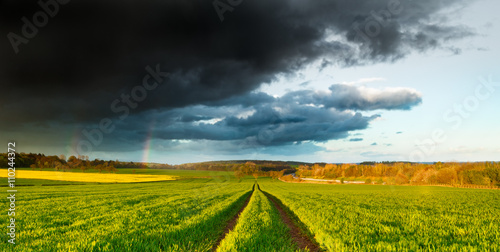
x=89 y=177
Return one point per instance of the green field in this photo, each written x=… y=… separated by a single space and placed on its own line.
x=395 y=218
x=180 y=215
x=39 y=182
x=191 y=214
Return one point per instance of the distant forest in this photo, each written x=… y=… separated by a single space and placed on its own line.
x=477 y=173
x=41 y=161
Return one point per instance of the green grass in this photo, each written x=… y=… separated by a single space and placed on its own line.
x=259 y=228
x=184 y=215
x=394 y=218
x=190 y=214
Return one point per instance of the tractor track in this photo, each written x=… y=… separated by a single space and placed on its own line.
x=232 y=222
x=297 y=229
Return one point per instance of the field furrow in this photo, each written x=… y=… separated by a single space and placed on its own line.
x=297 y=229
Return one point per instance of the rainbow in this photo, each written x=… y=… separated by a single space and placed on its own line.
x=147 y=144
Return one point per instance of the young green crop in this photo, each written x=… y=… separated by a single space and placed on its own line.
x=190 y=215
x=259 y=228
x=185 y=215
x=394 y=218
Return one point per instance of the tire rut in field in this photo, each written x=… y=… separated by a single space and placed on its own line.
x=297 y=232
x=232 y=222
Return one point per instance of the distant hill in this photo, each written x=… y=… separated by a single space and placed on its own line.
x=231 y=165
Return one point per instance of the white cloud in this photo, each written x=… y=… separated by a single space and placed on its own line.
x=464 y=149
x=363 y=81
x=246 y=114
x=209 y=121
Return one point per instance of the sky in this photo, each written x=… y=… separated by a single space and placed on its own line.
x=189 y=81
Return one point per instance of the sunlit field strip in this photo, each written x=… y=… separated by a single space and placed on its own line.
x=394 y=218
x=89 y=177
x=259 y=228
x=183 y=215
x=170 y=172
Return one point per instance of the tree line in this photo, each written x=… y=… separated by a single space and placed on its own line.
x=452 y=173
x=61 y=163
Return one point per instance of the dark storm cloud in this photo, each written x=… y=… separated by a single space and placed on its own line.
x=91 y=52
x=193 y=118
x=247 y=100
x=429 y=36
x=269 y=125
x=290 y=120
